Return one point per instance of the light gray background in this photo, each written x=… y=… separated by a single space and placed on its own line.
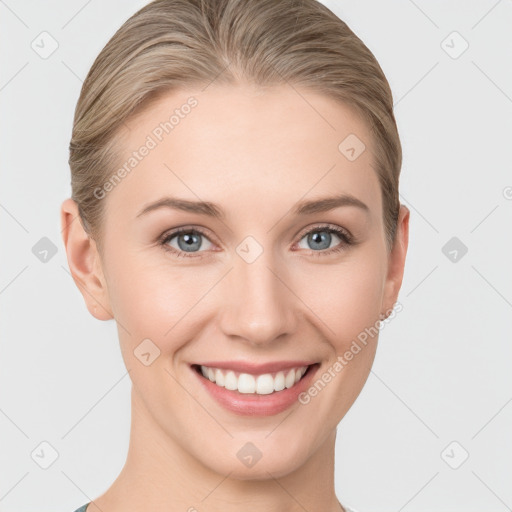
x=443 y=367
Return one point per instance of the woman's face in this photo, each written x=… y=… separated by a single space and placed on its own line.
x=258 y=282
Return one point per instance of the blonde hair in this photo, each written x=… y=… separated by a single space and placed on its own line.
x=170 y=44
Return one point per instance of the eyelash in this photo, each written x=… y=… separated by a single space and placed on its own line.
x=347 y=240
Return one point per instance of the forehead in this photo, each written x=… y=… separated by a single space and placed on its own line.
x=279 y=143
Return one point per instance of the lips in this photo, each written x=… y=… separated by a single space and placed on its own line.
x=256 y=389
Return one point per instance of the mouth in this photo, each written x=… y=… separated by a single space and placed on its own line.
x=247 y=383
x=262 y=392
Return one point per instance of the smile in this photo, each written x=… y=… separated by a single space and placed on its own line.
x=250 y=389
x=263 y=384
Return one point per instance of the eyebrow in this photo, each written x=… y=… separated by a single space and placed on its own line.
x=212 y=210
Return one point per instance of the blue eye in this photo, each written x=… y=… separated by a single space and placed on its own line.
x=189 y=241
x=320 y=239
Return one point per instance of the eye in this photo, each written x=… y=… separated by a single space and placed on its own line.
x=320 y=239
x=188 y=241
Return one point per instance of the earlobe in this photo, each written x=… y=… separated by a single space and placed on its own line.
x=84 y=262
x=396 y=261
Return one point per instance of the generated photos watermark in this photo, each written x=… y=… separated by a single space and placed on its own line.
x=342 y=360
x=152 y=140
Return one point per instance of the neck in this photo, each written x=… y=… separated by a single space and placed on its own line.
x=159 y=475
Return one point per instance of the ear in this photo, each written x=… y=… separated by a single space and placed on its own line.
x=396 y=262
x=84 y=262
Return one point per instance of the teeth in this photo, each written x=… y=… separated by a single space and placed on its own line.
x=219 y=377
x=254 y=384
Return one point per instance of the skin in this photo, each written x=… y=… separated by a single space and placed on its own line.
x=256 y=153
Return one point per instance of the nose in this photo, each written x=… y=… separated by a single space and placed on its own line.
x=257 y=305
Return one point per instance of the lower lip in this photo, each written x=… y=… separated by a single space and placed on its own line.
x=258 y=405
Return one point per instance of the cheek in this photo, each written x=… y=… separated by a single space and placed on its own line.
x=134 y=298
x=154 y=301
x=347 y=298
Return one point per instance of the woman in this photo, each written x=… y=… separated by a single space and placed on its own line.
x=235 y=168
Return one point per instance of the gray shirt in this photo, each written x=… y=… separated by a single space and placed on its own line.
x=84 y=507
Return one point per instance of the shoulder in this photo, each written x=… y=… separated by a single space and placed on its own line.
x=84 y=507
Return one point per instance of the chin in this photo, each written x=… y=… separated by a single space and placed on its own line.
x=249 y=462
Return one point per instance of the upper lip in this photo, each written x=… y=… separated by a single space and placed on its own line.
x=255 y=368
